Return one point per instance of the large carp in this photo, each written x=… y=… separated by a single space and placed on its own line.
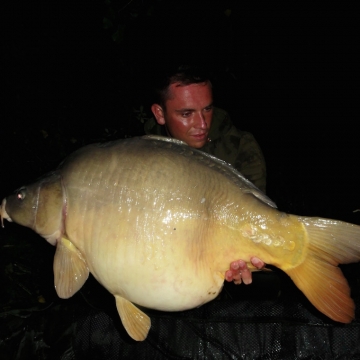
x=157 y=223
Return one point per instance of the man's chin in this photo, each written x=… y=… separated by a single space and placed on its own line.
x=196 y=144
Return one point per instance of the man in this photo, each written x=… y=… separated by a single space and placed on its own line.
x=184 y=110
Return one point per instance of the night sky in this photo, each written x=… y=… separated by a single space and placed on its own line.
x=289 y=76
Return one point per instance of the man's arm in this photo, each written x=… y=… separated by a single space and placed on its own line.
x=236 y=147
x=250 y=161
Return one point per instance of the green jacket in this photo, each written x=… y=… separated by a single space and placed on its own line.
x=238 y=148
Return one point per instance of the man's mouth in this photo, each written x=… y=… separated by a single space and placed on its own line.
x=200 y=136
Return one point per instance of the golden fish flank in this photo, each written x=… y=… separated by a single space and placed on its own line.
x=184 y=216
x=250 y=231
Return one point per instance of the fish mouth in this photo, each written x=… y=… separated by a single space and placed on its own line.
x=3 y=213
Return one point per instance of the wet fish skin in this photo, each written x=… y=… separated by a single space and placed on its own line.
x=153 y=203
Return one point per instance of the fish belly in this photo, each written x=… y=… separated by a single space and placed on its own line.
x=155 y=256
x=164 y=272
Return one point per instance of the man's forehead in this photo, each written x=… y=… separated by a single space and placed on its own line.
x=180 y=84
x=179 y=88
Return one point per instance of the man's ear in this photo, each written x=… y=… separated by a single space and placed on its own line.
x=158 y=112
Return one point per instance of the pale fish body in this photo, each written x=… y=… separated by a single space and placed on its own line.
x=158 y=223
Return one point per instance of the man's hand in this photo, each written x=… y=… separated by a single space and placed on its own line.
x=239 y=272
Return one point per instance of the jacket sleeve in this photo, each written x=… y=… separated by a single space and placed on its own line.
x=250 y=160
x=239 y=148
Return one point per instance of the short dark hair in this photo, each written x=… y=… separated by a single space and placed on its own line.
x=183 y=75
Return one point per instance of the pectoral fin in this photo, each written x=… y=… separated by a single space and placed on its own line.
x=136 y=323
x=70 y=269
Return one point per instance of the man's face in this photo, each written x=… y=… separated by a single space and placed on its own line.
x=188 y=113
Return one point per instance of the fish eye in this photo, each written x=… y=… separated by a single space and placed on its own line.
x=21 y=194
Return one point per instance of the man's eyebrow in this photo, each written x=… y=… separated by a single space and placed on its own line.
x=184 y=109
x=190 y=109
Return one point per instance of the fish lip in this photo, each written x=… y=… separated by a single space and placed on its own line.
x=3 y=213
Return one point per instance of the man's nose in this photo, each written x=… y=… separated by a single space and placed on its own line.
x=200 y=121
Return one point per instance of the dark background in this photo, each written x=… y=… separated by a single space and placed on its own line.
x=74 y=72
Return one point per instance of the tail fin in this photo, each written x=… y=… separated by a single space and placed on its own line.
x=331 y=243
